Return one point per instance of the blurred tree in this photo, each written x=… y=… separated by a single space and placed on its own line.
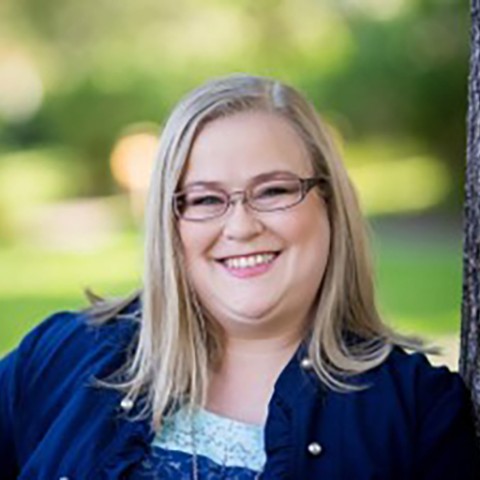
x=396 y=72
x=407 y=76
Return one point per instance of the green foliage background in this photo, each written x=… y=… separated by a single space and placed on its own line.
x=389 y=75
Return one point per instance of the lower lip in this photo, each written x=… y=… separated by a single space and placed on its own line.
x=248 y=272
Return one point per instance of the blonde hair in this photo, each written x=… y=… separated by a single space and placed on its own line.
x=176 y=343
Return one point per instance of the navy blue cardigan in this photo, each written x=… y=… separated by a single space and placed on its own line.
x=413 y=422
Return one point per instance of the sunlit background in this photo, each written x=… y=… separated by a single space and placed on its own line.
x=85 y=87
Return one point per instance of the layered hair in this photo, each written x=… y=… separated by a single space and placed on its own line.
x=177 y=344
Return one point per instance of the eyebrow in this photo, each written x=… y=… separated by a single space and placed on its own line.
x=257 y=178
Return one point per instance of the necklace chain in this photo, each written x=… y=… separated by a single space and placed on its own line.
x=195 y=456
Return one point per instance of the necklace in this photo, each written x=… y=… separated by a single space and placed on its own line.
x=195 y=474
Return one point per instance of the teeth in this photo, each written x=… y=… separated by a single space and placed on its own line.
x=249 y=261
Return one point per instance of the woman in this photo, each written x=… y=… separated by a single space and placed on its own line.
x=255 y=349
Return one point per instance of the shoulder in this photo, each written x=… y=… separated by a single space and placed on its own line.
x=413 y=372
x=429 y=403
x=67 y=347
x=51 y=372
x=75 y=332
x=418 y=384
x=436 y=405
x=412 y=414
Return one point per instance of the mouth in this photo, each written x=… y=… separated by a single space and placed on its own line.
x=249 y=265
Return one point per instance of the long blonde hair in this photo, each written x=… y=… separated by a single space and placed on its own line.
x=176 y=343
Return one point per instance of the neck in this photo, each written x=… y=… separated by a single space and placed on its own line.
x=262 y=348
x=243 y=384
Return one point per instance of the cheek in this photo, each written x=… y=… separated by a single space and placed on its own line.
x=186 y=240
x=309 y=229
x=308 y=235
x=195 y=241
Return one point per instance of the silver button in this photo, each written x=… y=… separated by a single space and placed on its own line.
x=315 y=448
x=126 y=404
x=306 y=363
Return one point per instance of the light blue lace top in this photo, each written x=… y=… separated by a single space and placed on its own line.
x=226 y=449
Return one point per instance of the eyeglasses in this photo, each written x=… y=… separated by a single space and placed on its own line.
x=200 y=203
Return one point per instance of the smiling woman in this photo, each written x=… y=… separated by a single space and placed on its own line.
x=267 y=239
x=254 y=348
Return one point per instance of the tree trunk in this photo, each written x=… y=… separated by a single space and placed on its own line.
x=470 y=334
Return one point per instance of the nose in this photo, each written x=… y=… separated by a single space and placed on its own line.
x=241 y=223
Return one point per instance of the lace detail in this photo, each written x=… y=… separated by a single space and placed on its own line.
x=226 y=449
x=174 y=465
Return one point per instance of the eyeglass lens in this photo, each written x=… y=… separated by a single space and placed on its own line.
x=203 y=203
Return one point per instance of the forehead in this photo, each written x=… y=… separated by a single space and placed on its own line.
x=237 y=148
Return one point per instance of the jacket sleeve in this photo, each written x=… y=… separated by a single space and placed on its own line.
x=447 y=446
x=17 y=369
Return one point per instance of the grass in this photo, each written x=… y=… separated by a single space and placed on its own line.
x=419 y=285
x=35 y=283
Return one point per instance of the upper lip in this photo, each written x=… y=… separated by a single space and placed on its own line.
x=249 y=254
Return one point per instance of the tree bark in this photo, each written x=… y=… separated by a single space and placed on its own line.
x=470 y=331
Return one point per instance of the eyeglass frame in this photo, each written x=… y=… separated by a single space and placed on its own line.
x=306 y=184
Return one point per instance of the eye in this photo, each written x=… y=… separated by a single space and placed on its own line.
x=276 y=189
x=204 y=200
x=272 y=191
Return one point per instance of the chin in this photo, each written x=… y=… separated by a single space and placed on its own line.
x=249 y=316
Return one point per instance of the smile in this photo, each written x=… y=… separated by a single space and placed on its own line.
x=249 y=265
x=250 y=260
